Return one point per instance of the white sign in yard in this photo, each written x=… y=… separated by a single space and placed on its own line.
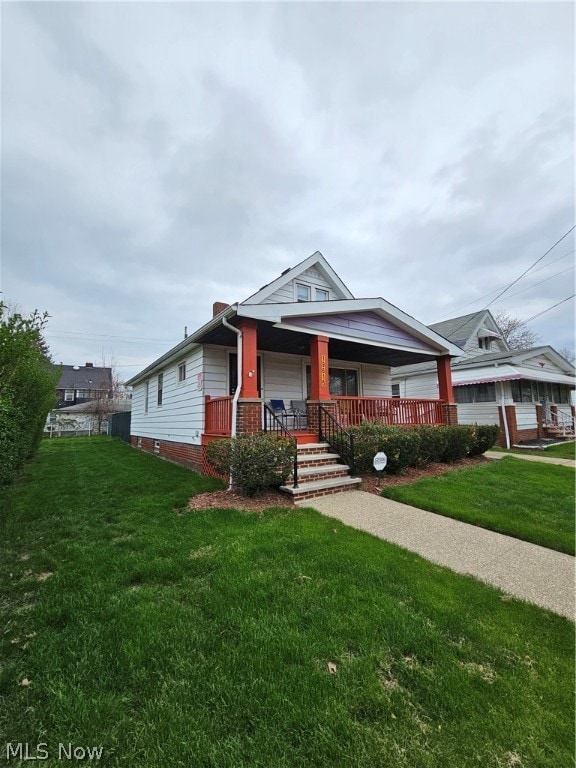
x=380 y=460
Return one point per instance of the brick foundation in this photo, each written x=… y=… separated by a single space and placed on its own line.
x=312 y=412
x=517 y=435
x=450 y=413
x=191 y=456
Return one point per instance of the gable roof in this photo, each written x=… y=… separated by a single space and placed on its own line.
x=315 y=260
x=459 y=330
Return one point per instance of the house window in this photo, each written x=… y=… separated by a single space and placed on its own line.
x=343 y=381
x=322 y=295
x=485 y=342
x=524 y=391
x=160 y=387
x=69 y=395
x=146 y=396
x=182 y=372
x=395 y=390
x=476 y=393
x=302 y=292
x=83 y=393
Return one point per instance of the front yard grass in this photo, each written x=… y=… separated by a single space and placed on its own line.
x=524 y=499
x=282 y=639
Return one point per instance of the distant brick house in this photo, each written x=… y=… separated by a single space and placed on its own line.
x=82 y=383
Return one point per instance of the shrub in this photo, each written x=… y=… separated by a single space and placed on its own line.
x=459 y=441
x=400 y=444
x=432 y=447
x=485 y=436
x=256 y=462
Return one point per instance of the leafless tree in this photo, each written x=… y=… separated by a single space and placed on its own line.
x=567 y=354
x=105 y=401
x=516 y=332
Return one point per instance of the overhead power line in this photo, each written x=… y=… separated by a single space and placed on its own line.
x=532 y=266
x=549 y=308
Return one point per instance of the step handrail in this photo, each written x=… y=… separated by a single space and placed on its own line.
x=279 y=428
x=332 y=432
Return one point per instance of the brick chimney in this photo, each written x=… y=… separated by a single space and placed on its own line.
x=89 y=365
x=218 y=307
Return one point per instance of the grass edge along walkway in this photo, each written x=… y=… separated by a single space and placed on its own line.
x=530 y=501
x=228 y=639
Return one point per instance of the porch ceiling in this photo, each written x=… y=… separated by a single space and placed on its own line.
x=271 y=339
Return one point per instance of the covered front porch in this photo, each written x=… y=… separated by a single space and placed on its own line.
x=346 y=376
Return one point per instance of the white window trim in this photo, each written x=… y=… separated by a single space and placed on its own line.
x=180 y=381
x=302 y=285
x=69 y=395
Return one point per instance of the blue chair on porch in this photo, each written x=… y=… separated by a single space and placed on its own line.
x=280 y=411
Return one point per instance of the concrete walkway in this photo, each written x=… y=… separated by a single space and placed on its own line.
x=526 y=571
x=531 y=457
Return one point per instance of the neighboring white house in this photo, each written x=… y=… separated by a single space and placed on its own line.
x=532 y=387
x=301 y=337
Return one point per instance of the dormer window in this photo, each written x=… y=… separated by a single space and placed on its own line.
x=302 y=292
x=322 y=294
x=485 y=342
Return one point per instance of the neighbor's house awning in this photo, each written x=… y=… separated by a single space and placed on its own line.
x=507 y=373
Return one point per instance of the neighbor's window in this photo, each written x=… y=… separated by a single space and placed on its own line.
x=485 y=342
x=160 y=387
x=322 y=295
x=182 y=371
x=302 y=292
x=395 y=390
x=83 y=393
x=475 y=393
x=69 y=395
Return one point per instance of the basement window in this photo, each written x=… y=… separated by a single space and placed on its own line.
x=156 y=446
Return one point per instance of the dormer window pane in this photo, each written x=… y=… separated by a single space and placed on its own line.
x=322 y=295
x=302 y=292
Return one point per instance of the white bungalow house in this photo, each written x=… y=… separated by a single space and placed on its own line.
x=529 y=392
x=302 y=339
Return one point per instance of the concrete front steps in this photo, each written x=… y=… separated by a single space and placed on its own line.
x=319 y=473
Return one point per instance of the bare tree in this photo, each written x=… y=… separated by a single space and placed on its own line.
x=567 y=354
x=516 y=332
x=105 y=401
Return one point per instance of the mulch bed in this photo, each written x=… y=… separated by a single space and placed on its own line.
x=234 y=500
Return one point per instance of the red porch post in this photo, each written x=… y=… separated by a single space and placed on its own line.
x=445 y=379
x=320 y=378
x=249 y=384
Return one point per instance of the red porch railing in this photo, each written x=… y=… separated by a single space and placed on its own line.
x=389 y=410
x=218 y=415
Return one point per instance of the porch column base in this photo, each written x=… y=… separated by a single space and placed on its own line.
x=540 y=422
x=449 y=413
x=248 y=415
x=508 y=412
x=312 y=412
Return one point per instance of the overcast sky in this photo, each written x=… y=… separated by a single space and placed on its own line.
x=159 y=157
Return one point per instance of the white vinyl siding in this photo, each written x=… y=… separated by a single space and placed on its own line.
x=526 y=416
x=282 y=377
x=424 y=387
x=311 y=278
x=180 y=417
x=478 y=413
x=375 y=381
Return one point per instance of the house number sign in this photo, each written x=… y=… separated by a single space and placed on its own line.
x=323 y=369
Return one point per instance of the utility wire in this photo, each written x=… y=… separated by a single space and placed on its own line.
x=532 y=266
x=549 y=308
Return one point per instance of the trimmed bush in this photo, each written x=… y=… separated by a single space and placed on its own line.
x=459 y=442
x=400 y=444
x=485 y=437
x=433 y=443
x=256 y=462
x=419 y=446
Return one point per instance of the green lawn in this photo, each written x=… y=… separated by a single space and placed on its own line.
x=204 y=639
x=558 y=451
x=524 y=499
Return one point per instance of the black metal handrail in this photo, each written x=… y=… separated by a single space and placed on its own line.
x=273 y=424
x=332 y=432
